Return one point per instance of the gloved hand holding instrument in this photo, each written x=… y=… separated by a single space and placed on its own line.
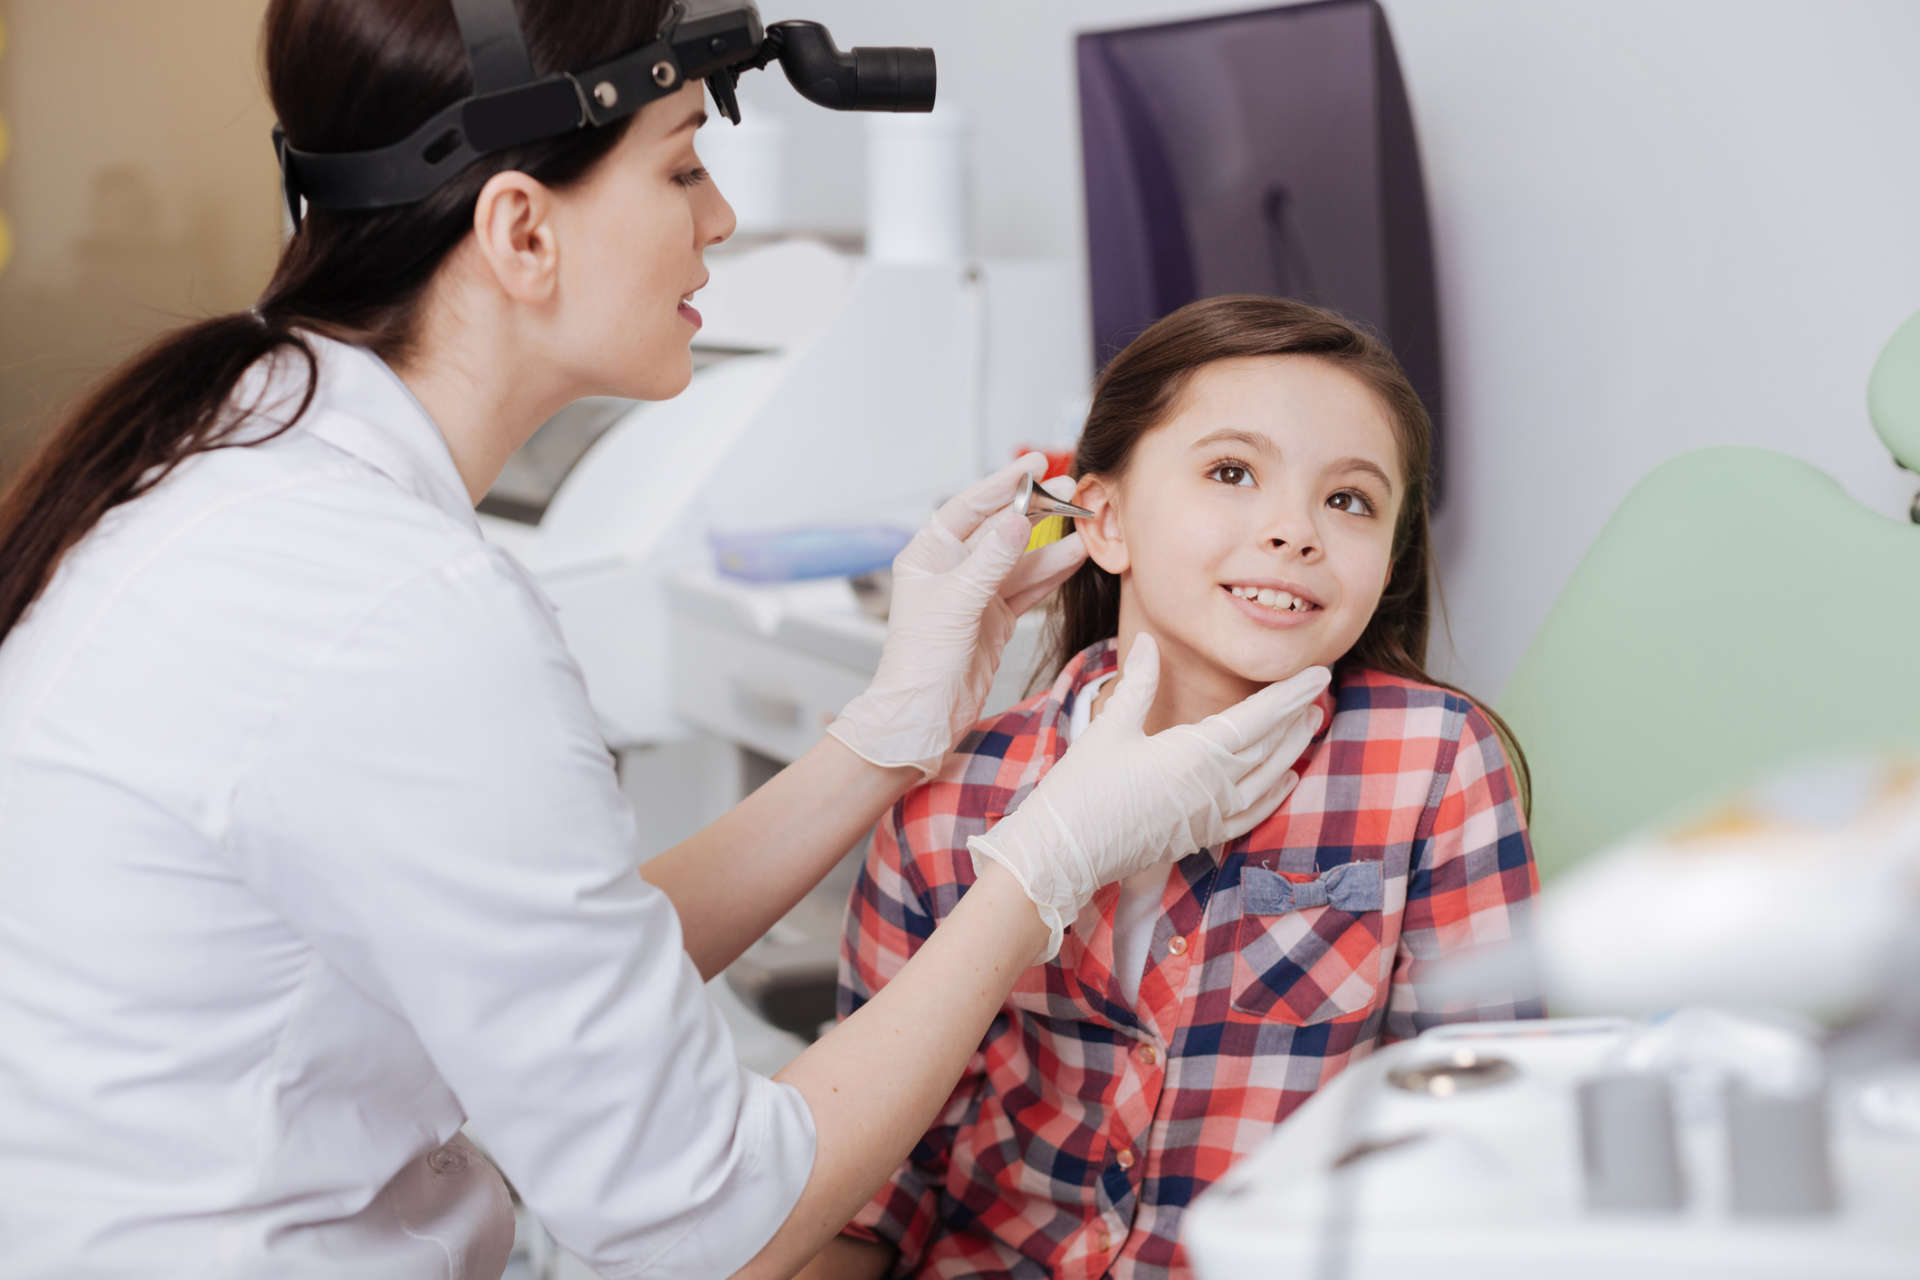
x=958 y=588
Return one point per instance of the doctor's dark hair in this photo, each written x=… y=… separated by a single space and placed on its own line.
x=1139 y=388
x=343 y=75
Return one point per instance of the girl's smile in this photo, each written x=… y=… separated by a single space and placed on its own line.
x=1270 y=605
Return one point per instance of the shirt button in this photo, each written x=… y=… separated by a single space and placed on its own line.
x=1177 y=945
x=1148 y=1054
x=1125 y=1158
x=1104 y=1240
x=446 y=1161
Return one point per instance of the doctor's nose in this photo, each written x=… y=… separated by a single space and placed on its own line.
x=718 y=220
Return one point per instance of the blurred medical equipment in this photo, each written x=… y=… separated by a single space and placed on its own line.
x=1266 y=152
x=1770 y=1127
x=711 y=40
x=1579 y=1148
x=814 y=551
x=1801 y=893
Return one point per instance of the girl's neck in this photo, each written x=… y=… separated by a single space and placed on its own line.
x=1189 y=691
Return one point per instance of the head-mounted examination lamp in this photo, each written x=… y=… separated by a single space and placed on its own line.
x=711 y=40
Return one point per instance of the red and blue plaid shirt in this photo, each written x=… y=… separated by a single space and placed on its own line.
x=1087 y=1121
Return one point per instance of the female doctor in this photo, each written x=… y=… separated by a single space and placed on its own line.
x=312 y=850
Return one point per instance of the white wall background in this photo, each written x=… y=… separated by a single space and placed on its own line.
x=1660 y=224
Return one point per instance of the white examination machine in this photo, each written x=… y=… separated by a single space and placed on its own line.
x=1513 y=1151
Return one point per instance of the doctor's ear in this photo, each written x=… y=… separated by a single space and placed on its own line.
x=1106 y=541
x=515 y=236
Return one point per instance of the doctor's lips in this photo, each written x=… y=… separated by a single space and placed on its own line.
x=687 y=312
x=1273 y=596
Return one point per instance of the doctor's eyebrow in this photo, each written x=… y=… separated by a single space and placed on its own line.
x=1257 y=443
x=694 y=121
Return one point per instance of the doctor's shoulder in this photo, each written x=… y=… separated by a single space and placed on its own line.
x=311 y=548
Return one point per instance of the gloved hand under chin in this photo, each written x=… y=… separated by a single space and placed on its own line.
x=958 y=588
x=1120 y=801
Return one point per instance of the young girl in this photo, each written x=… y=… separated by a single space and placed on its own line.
x=1257 y=471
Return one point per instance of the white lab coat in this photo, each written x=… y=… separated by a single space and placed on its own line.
x=310 y=850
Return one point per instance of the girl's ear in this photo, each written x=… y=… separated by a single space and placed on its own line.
x=1106 y=542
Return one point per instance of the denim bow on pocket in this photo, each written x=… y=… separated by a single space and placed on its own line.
x=1353 y=887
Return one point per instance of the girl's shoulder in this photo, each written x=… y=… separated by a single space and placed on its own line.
x=1373 y=684
x=1038 y=721
x=1372 y=703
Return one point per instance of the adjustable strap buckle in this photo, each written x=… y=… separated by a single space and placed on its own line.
x=289 y=185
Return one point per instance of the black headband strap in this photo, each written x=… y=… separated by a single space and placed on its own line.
x=461 y=133
x=495 y=48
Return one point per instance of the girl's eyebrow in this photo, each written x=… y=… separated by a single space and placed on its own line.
x=1371 y=468
x=1226 y=435
x=1260 y=444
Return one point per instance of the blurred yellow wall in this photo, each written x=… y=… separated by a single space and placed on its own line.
x=138 y=183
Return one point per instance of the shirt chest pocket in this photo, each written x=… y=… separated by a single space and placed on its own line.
x=1309 y=948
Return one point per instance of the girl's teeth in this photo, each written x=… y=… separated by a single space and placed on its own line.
x=1271 y=598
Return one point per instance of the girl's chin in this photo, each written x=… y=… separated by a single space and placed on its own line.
x=1261 y=671
x=1200 y=662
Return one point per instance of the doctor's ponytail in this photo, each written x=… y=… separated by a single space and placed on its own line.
x=343 y=75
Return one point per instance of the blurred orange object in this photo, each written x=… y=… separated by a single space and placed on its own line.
x=1059 y=461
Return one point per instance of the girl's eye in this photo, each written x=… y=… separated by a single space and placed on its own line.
x=1351 y=500
x=1232 y=473
x=691 y=178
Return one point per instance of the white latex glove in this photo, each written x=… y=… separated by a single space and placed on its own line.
x=958 y=588
x=1119 y=801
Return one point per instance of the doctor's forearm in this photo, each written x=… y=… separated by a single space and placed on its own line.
x=876 y=1081
x=730 y=881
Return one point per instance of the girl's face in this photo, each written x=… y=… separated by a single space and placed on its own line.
x=640 y=224
x=1252 y=530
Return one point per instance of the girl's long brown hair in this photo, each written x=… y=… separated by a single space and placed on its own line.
x=343 y=75
x=1137 y=390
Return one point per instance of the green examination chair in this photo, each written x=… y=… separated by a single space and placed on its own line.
x=1738 y=612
